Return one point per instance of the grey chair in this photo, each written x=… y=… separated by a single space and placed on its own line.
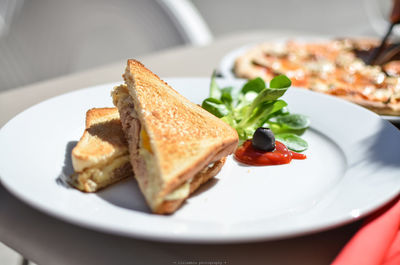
x=44 y=39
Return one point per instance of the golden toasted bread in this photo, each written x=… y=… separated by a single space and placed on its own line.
x=172 y=141
x=101 y=156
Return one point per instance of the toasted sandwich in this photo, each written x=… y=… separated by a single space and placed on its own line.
x=101 y=156
x=174 y=144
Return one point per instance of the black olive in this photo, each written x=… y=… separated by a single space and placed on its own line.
x=263 y=139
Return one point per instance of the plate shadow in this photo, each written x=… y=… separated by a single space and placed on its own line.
x=67 y=170
x=125 y=194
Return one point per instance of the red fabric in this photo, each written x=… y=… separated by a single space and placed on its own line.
x=393 y=255
x=377 y=242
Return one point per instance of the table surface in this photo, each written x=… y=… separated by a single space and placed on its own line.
x=47 y=240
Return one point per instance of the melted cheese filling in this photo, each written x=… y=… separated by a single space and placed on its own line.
x=92 y=179
x=179 y=193
x=184 y=190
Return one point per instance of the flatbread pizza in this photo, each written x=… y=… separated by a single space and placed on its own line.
x=332 y=67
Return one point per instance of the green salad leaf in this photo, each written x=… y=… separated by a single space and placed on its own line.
x=280 y=81
x=292 y=121
x=256 y=105
x=292 y=141
x=215 y=92
x=256 y=85
x=215 y=106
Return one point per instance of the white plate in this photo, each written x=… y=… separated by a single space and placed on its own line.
x=393 y=119
x=352 y=168
x=227 y=63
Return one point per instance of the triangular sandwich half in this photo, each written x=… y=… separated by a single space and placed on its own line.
x=174 y=144
x=101 y=156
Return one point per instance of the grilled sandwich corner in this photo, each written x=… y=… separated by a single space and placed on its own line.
x=101 y=156
x=174 y=144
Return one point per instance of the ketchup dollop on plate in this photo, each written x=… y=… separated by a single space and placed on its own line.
x=249 y=155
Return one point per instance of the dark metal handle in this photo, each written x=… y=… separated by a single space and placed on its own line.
x=394 y=19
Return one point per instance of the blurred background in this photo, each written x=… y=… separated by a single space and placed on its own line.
x=44 y=39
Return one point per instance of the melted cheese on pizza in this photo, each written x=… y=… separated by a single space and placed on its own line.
x=330 y=67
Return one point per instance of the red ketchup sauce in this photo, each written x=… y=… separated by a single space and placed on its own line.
x=247 y=154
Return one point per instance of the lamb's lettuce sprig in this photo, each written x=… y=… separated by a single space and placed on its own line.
x=256 y=105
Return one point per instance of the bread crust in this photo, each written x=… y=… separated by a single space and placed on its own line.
x=168 y=207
